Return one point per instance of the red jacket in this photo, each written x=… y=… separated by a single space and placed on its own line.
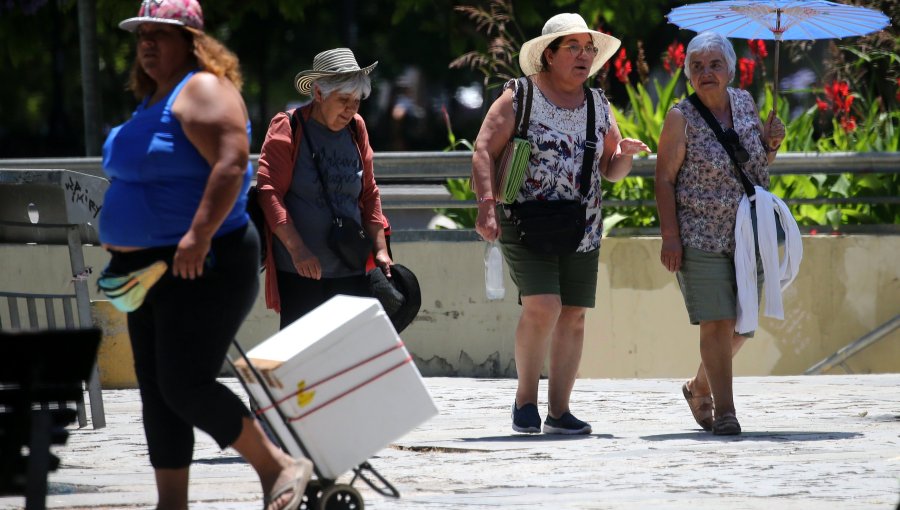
x=276 y=168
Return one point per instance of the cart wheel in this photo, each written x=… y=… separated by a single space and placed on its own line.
x=340 y=497
x=311 y=496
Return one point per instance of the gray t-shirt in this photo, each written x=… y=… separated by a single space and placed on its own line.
x=341 y=168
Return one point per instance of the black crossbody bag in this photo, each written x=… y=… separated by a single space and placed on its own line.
x=346 y=238
x=732 y=146
x=556 y=227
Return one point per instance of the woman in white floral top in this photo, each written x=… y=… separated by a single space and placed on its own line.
x=697 y=193
x=555 y=290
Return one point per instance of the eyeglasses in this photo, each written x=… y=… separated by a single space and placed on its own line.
x=740 y=153
x=576 y=50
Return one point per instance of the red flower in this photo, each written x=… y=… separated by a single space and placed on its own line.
x=821 y=104
x=758 y=48
x=674 y=57
x=623 y=66
x=838 y=92
x=849 y=123
x=747 y=66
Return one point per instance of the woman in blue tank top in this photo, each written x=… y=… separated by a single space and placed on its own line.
x=179 y=174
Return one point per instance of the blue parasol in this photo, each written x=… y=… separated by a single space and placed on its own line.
x=779 y=20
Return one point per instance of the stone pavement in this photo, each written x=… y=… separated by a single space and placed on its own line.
x=816 y=442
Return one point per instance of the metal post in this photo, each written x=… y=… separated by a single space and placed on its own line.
x=38 y=459
x=845 y=352
x=87 y=38
x=83 y=302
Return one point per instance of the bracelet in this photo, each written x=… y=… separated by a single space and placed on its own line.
x=482 y=200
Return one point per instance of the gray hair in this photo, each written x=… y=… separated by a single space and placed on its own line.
x=710 y=41
x=357 y=84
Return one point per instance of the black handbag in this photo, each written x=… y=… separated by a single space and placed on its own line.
x=346 y=238
x=556 y=227
x=259 y=221
x=552 y=227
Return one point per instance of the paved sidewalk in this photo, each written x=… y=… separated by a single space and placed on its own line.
x=816 y=442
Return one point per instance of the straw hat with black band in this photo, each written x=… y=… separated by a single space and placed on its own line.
x=559 y=26
x=329 y=63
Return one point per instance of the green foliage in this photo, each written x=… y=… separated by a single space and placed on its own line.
x=645 y=119
x=496 y=25
x=460 y=190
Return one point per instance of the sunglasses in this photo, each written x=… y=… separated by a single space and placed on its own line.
x=740 y=153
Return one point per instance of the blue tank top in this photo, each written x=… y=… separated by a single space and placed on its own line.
x=157 y=178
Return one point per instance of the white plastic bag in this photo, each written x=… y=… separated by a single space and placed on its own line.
x=493 y=272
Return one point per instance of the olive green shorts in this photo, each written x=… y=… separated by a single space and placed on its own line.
x=709 y=285
x=572 y=277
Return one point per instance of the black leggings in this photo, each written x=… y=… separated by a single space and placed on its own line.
x=180 y=337
x=299 y=295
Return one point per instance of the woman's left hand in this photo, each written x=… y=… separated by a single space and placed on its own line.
x=632 y=146
x=383 y=260
x=190 y=256
x=773 y=131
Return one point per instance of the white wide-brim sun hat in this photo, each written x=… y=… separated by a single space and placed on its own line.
x=559 y=26
x=329 y=63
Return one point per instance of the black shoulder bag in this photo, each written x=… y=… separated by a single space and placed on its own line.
x=346 y=238
x=254 y=210
x=738 y=154
x=556 y=227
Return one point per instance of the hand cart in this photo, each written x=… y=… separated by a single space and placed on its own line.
x=321 y=493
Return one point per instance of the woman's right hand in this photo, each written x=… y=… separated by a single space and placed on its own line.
x=670 y=254
x=306 y=263
x=486 y=223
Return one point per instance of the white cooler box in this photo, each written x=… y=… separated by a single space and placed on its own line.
x=344 y=381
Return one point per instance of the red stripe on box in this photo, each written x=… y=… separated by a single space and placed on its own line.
x=336 y=374
x=351 y=390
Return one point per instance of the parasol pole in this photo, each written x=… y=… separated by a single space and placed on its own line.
x=778 y=35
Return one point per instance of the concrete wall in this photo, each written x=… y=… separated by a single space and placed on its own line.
x=848 y=285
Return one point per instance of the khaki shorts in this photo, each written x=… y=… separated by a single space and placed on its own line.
x=572 y=277
x=709 y=285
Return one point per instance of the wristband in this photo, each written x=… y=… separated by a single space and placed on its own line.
x=482 y=200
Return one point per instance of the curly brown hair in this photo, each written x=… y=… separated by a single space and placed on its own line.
x=210 y=54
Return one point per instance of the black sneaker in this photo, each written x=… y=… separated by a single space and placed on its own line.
x=526 y=419
x=566 y=424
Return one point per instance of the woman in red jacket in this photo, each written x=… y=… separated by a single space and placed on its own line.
x=316 y=165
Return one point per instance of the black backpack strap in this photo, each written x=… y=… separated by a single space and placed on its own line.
x=590 y=144
x=720 y=136
x=293 y=114
x=525 y=91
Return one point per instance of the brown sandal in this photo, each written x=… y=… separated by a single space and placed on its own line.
x=726 y=425
x=701 y=408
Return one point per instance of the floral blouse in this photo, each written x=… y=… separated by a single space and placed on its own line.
x=708 y=189
x=557 y=137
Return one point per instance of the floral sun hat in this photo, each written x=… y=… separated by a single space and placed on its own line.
x=184 y=13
